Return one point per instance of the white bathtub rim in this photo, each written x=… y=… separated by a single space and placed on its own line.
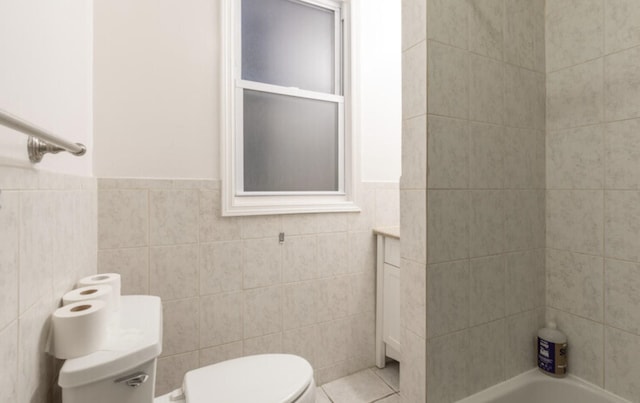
x=511 y=384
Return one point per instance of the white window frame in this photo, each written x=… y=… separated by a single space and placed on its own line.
x=237 y=202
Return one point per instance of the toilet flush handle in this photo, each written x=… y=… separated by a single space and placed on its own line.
x=133 y=380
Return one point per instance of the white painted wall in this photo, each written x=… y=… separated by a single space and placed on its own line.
x=45 y=77
x=156 y=89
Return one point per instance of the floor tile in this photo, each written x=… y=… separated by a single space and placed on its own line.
x=391 y=399
x=361 y=387
x=321 y=397
x=390 y=374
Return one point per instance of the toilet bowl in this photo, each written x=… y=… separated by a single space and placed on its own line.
x=124 y=370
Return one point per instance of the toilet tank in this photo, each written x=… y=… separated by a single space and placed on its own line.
x=124 y=370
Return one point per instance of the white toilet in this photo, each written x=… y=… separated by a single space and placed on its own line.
x=125 y=370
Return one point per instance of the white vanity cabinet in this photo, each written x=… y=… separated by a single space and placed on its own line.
x=387 y=295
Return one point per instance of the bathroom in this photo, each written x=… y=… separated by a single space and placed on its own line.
x=509 y=163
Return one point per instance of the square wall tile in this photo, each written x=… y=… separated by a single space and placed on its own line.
x=171 y=370
x=447 y=22
x=522 y=332
x=301 y=342
x=447 y=298
x=574 y=32
x=575 y=158
x=221 y=319
x=622 y=24
x=299 y=305
x=173 y=216
x=524 y=98
x=413 y=297
x=524 y=158
x=524 y=219
x=334 y=339
x=486 y=89
x=332 y=298
x=486 y=156
x=485 y=27
x=9 y=255
x=448 y=225
x=414 y=153
x=262 y=311
x=525 y=282
x=622 y=84
x=486 y=289
x=132 y=264
x=387 y=207
x=9 y=362
x=414 y=367
x=332 y=255
x=586 y=338
x=221 y=267
x=174 y=271
x=265 y=226
x=575 y=96
x=299 y=258
x=270 y=344
x=486 y=224
x=622 y=224
x=448 y=80
x=622 y=295
x=362 y=292
x=622 y=152
x=414 y=22
x=413 y=221
x=414 y=84
x=224 y=352
x=574 y=283
x=524 y=36
x=214 y=227
x=486 y=362
x=181 y=324
x=448 y=153
x=574 y=220
x=447 y=367
x=621 y=371
x=300 y=224
x=123 y=218
x=361 y=252
x=262 y=262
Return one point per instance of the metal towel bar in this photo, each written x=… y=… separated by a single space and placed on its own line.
x=40 y=141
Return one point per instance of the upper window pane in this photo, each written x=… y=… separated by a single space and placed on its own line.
x=288 y=43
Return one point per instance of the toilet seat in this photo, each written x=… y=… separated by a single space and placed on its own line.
x=265 y=378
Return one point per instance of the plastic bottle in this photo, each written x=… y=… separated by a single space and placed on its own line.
x=552 y=351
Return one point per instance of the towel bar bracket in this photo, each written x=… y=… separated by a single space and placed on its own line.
x=39 y=148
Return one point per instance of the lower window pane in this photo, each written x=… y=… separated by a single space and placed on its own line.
x=290 y=143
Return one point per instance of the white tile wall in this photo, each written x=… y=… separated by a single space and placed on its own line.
x=49 y=241
x=229 y=287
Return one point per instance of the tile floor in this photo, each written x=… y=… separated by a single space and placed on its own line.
x=371 y=385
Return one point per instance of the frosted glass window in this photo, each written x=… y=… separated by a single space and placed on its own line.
x=290 y=143
x=288 y=43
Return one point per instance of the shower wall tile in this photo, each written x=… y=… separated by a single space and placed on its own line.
x=447 y=298
x=486 y=27
x=524 y=158
x=448 y=80
x=575 y=283
x=587 y=339
x=448 y=153
x=574 y=32
x=413 y=293
x=575 y=158
x=123 y=218
x=523 y=98
x=414 y=22
x=622 y=224
x=132 y=264
x=414 y=370
x=414 y=153
x=448 y=221
x=486 y=89
x=622 y=295
x=9 y=362
x=622 y=24
x=486 y=223
x=622 y=85
x=447 y=367
x=487 y=289
x=524 y=219
x=621 y=372
x=413 y=221
x=524 y=36
x=486 y=156
x=173 y=216
x=525 y=281
x=522 y=331
x=447 y=22
x=622 y=151
x=574 y=220
x=575 y=96
x=414 y=92
x=487 y=342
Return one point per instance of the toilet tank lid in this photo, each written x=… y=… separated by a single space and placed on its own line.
x=267 y=378
x=134 y=337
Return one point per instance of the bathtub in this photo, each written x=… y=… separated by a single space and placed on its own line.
x=535 y=387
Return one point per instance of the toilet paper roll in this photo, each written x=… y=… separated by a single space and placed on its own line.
x=112 y=279
x=79 y=328
x=102 y=292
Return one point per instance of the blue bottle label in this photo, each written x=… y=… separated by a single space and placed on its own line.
x=552 y=357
